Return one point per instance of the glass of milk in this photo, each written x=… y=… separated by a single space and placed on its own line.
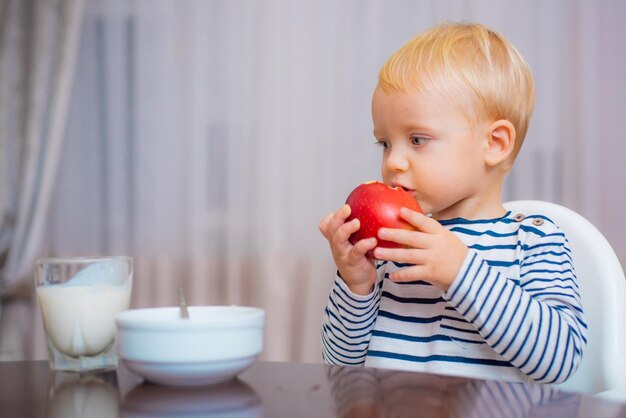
x=78 y=298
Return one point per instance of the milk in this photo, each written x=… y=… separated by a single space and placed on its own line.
x=80 y=319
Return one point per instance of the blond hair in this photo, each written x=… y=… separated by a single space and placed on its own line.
x=454 y=59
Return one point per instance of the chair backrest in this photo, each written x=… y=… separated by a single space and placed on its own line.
x=603 y=293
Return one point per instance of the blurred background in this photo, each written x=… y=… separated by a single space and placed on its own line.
x=207 y=139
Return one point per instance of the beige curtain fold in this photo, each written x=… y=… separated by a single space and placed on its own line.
x=38 y=43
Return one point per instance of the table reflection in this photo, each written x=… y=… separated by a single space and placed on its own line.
x=72 y=395
x=230 y=399
x=374 y=393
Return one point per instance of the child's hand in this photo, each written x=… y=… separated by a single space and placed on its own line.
x=357 y=271
x=436 y=252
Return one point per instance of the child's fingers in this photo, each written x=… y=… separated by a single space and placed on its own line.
x=420 y=221
x=400 y=255
x=362 y=247
x=342 y=234
x=409 y=274
x=333 y=221
x=323 y=225
x=413 y=239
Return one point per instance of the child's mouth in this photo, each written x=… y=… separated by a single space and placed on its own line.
x=406 y=189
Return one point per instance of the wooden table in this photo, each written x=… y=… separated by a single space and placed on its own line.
x=272 y=389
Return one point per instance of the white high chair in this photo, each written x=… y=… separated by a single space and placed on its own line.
x=603 y=293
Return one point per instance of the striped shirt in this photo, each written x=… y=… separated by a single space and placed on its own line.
x=512 y=313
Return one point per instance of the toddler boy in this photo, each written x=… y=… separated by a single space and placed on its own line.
x=477 y=290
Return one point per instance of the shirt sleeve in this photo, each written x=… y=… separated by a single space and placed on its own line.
x=348 y=323
x=531 y=315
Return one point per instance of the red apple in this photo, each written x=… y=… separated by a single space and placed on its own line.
x=377 y=205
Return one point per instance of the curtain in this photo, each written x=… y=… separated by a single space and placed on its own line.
x=38 y=41
x=208 y=138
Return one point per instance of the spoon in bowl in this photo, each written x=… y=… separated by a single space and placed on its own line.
x=182 y=303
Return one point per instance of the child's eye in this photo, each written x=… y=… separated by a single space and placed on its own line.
x=383 y=144
x=419 y=140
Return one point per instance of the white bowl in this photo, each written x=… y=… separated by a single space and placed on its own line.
x=214 y=345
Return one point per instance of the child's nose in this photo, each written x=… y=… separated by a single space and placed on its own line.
x=397 y=161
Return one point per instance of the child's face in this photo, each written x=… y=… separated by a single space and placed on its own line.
x=430 y=148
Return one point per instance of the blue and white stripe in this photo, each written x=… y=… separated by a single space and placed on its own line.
x=513 y=312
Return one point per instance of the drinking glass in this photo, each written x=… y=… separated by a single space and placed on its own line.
x=78 y=298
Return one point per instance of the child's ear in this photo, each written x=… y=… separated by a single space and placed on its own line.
x=500 y=142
